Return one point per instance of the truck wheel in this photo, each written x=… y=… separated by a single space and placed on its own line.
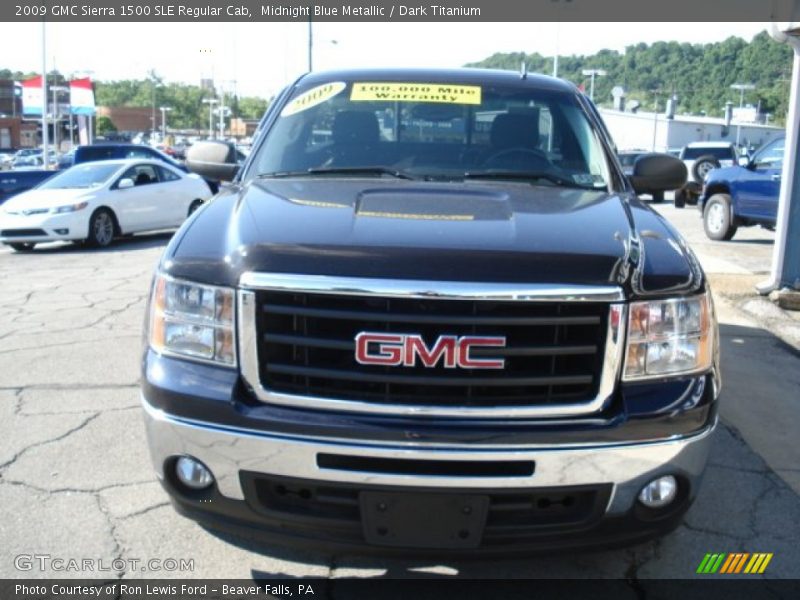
x=702 y=166
x=718 y=218
x=658 y=197
x=680 y=198
x=101 y=228
x=22 y=246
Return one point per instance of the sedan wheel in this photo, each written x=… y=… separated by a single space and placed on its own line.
x=101 y=229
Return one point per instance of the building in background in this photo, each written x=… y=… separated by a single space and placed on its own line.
x=660 y=132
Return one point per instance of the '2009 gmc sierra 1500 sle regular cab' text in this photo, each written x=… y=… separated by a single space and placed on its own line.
x=429 y=313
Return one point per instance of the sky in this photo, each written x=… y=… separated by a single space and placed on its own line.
x=260 y=58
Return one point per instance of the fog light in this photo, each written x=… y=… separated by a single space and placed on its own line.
x=659 y=492
x=61 y=231
x=192 y=473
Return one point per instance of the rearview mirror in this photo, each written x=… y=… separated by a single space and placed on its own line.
x=213 y=160
x=125 y=183
x=657 y=173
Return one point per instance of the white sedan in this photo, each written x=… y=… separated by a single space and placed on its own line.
x=96 y=201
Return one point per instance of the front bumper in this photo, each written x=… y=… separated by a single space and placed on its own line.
x=43 y=228
x=247 y=464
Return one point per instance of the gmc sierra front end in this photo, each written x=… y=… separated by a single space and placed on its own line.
x=430 y=313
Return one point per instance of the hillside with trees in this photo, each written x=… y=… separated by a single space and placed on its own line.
x=700 y=75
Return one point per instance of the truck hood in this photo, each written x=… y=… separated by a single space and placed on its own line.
x=475 y=231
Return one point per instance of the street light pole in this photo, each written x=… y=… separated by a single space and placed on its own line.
x=164 y=110
x=310 y=42
x=211 y=102
x=741 y=87
x=56 y=115
x=45 y=136
x=592 y=73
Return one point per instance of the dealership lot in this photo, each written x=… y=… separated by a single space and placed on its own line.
x=76 y=480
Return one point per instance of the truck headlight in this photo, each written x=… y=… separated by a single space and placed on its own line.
x=669 y=337
x=193 y=320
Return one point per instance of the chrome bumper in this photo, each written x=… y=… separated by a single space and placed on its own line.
x=227 y=451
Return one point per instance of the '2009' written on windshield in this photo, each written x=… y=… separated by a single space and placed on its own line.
x=416 y=92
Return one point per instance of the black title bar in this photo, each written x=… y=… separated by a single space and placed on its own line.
x=598 y=11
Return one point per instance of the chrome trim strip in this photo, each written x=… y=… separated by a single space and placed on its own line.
x=248 y=356
x=455 y=290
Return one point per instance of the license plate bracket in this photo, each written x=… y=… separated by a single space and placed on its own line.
x=423 y=520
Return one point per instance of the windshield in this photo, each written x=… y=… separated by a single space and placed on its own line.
x=81 y=176
x=434 y=131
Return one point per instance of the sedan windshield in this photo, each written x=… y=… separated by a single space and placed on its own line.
x=434 y=131
x=81 y=176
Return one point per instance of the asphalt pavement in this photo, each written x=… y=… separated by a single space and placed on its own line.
x=76 y=479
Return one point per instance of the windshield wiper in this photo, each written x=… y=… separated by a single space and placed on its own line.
x=339 y=171
x=527 y=176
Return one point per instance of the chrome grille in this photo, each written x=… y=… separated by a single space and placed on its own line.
x=558 y=359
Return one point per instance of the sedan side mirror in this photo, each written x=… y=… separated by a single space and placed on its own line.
x=213 y=160
x=657 y=173
x=125 y=183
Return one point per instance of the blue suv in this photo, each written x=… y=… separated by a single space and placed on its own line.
x=738 y=196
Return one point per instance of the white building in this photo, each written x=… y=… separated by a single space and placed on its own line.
x=656 y=133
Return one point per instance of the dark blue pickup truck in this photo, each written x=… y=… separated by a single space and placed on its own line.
x=737 y=196
x=16 y=182
x=429 y=314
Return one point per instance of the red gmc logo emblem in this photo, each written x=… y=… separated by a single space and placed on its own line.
x=409 y=350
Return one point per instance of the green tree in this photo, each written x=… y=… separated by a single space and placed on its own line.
x=105 y=126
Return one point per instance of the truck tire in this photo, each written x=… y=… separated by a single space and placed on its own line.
x=702 y=166
x=658 y=197
x=718 y=218
x=102 y=228
x=680 y=197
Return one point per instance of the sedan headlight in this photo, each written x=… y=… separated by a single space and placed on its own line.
x=669 y=337
x=57 y=210
x=193 y=320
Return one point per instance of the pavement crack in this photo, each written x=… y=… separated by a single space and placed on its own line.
x=145 y=510
x=118 y=551
x=58 y=438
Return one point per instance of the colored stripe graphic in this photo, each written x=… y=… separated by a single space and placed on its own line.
x=711 y=563
x=735 y=563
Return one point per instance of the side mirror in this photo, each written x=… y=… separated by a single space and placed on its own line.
x=125 y=183
x=213 y=160
x=657 y=173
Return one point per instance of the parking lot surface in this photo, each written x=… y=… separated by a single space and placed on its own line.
x=76 y=479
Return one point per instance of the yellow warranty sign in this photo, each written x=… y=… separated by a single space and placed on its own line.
x=312 y=97
x=416 y=92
